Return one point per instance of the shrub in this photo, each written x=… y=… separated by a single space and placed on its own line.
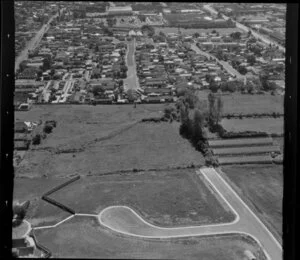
x=36 y=139
x=48 y=128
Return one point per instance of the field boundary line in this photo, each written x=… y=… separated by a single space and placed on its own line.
x=245 y=205
x=55 y=225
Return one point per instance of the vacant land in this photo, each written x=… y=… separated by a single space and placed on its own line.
x=249 y=104
x=85 y=238
x=165 y=198
x=222 y=31
x=268 y=125
x=98 y=139
x=261 y=187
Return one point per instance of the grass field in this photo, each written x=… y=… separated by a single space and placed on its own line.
x=268 y=125
x=237 y=103
x=248 y=104
x=85 y=238
x=222 y=31
x=261 y=187
x=164 y=198
x=98 y=139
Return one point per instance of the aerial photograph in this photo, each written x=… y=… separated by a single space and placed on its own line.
x=148 y=130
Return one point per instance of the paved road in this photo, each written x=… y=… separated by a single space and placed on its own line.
x=246 y=29
x=33 y=43
x=132 y=80
x=124 y=220
x=225 y=64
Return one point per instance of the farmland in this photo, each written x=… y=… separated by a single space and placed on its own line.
x=94 y=140
x=268 y=125
x=261 y=187
x=246 y=150
x=90 y=240
x=237 y=103
x=164 y=198
x=242 y=104
x=245 y=159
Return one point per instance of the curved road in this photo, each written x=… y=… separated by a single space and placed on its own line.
x=124 y=220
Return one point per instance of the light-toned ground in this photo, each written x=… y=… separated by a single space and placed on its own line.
x=21 y=230
x=90 y=240
x=268 y=125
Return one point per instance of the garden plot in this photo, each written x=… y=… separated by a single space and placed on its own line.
x=245 y=159
x=268 y=125
x=246 y=150
x=221 y=143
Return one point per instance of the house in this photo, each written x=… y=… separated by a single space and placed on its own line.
x=160 y=91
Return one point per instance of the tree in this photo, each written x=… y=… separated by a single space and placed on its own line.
x=236 y=35
x=46 y=63
x=48 y=129
x=242 y=70
x=52 y=72
x=219 y=108
x=97 y=89
x=130 y=95
x=251 y=60
x=196 y=35
x=36 y=139
x=214 y=86
x=198 y=122
x=149 y=29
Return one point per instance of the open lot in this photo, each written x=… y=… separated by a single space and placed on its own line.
x=164 y=198
x=261 y=187
x=90 y=240
x=99 y=139
x=237 y=103
x=268 y=125
x=222 y=31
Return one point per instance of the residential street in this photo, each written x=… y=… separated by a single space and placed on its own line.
x=33 y=43
x=225 y=64
x=131 y=82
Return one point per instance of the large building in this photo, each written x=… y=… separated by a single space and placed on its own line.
x=119 y=10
